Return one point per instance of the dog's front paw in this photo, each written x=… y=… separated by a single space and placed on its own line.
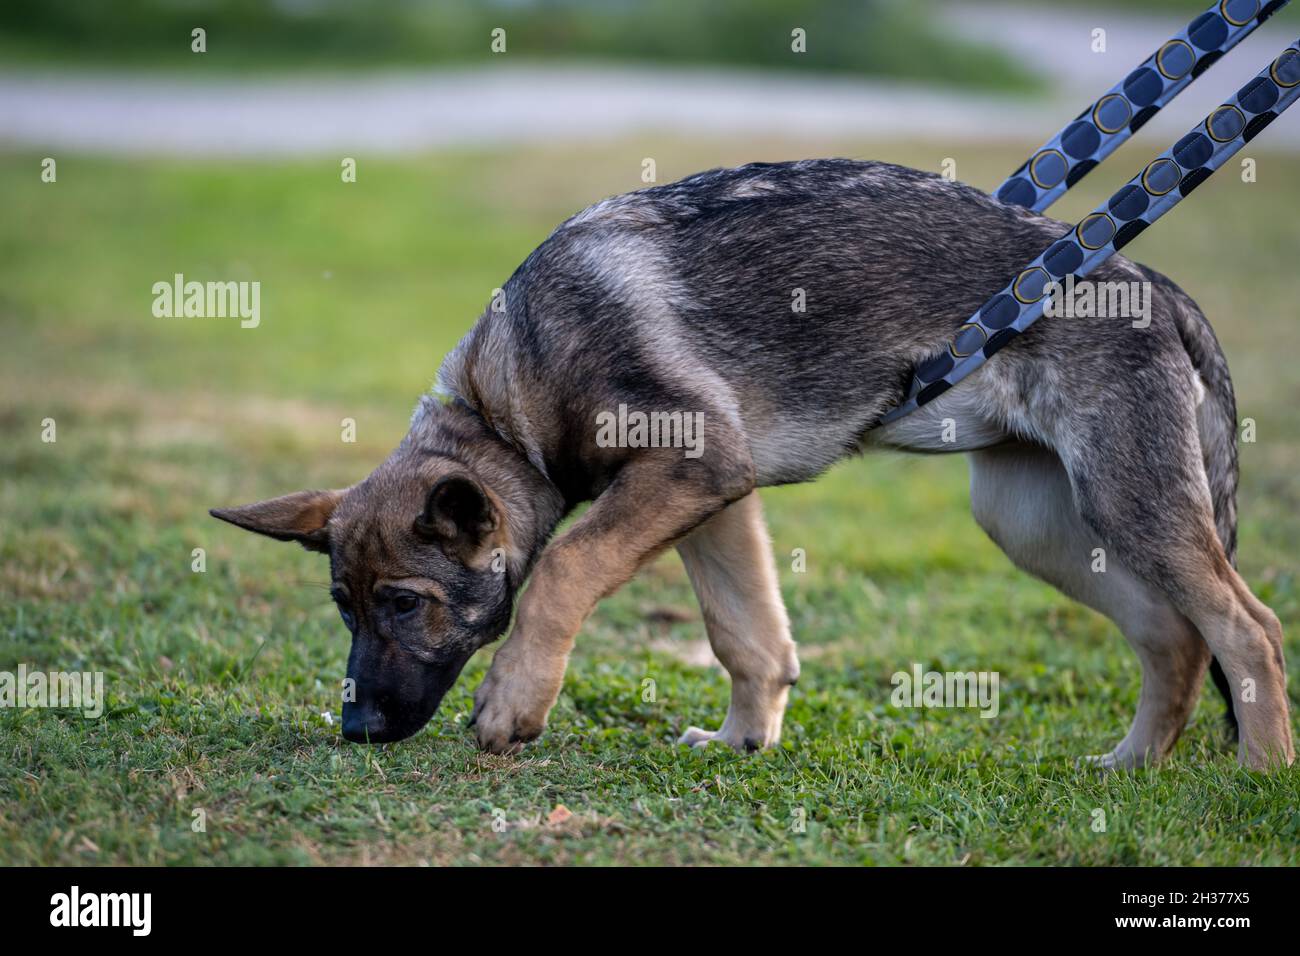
x=510 y=706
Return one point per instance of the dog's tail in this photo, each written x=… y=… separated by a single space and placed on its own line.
x=1217 y=423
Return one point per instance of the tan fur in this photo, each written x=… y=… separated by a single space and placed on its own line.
x=1246 y=637
x=647 y=508
x=1022 y=497
x=729 y=561
x=301 y=516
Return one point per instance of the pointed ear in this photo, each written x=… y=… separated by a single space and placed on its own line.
x=300 y=517
x=459 y=514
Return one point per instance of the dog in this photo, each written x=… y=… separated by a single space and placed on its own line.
x=683 y=300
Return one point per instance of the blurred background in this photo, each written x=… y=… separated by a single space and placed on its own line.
x=226 y=165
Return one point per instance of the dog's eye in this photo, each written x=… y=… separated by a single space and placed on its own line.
x=405 y=603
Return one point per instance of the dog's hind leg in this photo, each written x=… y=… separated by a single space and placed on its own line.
x=1022 y=497
x=730 y=564
x=1140 y=484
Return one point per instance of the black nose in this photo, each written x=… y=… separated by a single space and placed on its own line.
x=363 y=725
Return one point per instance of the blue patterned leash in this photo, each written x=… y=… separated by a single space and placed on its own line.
x=1104 y=126
x=1146 y=197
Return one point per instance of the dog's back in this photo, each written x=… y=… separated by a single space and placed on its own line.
x=791 y=300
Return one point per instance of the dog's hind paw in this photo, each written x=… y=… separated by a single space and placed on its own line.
x=1113 y=761
x=698 y=737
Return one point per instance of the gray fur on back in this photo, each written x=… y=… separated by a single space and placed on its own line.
x=680 y=297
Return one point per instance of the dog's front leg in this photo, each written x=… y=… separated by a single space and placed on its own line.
x=654 y=501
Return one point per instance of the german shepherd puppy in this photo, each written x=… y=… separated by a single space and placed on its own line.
x=674 y=303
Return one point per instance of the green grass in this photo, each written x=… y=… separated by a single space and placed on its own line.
x=218 y=680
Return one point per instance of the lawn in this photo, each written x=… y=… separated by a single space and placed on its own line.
x=219 y=681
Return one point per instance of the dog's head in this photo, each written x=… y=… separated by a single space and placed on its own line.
x=417 y=573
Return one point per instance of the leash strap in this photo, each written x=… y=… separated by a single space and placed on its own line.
x=1105 y=125
x=1146 y=197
